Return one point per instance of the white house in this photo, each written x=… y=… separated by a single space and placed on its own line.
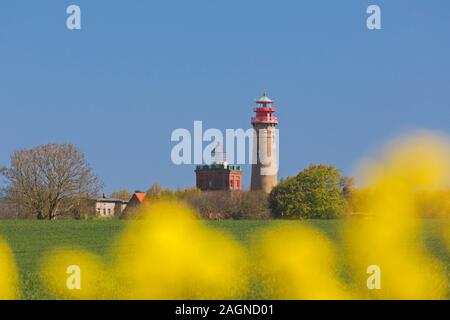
x=109 y=207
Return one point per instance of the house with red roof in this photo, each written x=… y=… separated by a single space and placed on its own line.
x=136 y=200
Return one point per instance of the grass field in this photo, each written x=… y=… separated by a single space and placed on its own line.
x=30 y=239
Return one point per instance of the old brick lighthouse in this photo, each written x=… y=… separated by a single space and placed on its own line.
x=265 y=160
x=219 y=175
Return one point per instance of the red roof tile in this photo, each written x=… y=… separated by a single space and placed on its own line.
x=140 y=196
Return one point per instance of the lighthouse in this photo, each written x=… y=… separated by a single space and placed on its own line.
x=265 y=159
x=219 y=175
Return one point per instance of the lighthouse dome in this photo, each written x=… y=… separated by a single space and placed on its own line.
x=264 y=99
x=218 y=149
x=218 y=155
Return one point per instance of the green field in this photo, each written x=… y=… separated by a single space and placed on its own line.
x=30 y=239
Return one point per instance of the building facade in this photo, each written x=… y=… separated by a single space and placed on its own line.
x=109 y=207
x=219 y=176
x=265 y=153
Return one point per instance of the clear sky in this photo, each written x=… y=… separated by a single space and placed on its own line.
x=140 y=69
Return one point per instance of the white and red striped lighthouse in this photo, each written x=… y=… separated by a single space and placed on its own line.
x=265 y=160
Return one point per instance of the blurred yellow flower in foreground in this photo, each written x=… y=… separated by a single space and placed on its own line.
x=74 y=274
x=8 y=273
x=169 y=254
x=390 y=238
x=298 y=262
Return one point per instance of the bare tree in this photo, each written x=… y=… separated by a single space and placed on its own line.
x=122 y=194
x=7 y=210
x=50 y=180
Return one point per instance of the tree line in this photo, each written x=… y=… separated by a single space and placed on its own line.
x=56 y=181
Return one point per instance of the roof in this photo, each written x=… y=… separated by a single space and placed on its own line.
x=264 y=99
x=140 y=196
x=111 y=200
x=218 y=166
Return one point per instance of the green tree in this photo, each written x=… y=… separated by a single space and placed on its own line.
x=348 y=186
x=316 y=192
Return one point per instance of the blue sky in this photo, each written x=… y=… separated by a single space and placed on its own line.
x=140 y=69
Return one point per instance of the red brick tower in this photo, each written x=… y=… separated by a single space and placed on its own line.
x=219 y=175
x=265 y=166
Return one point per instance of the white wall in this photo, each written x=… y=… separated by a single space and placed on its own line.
x=105 y=209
